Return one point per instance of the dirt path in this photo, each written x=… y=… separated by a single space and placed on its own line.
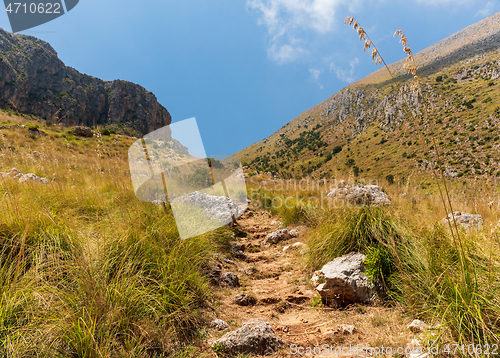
x=286 y=298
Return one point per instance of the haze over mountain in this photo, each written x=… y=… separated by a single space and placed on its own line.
x=366 y=126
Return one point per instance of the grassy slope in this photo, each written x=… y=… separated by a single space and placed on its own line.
x=86 y=269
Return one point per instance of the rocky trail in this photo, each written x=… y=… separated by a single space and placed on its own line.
x=269 y=281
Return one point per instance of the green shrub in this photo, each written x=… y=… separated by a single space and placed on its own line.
x=350 y=162
x=454 y=287
x=381 y=268
x=354 y=230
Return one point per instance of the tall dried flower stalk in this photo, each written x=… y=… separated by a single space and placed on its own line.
x=412 y=69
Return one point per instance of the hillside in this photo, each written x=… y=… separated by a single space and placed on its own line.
x=34 y=80
x=365 y=127
x=89 y=270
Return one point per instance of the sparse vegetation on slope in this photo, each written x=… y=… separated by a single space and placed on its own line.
x=370 y=121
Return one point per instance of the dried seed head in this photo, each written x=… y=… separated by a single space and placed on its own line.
x=347 y=19
x=351 y=20
x=368 y=43
x=374 y=53
x=398 y=32
x=410 y=68
x=404 y=40
x=407 y=50
x=361 y=33
x=355 y=26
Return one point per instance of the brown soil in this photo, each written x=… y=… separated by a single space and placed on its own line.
x=287 y=299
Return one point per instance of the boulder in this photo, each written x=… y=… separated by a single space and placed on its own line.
x=82 y=131
x=280 y=235
x=237 y=252
x=359 y=195
x=230 y=279
x=36 y=131
x=465 y=220
x=345 y=281
x=214 y=274
x=255 y=336
x=17 y=174
x=219 y=325
x=218 y=208
x=244 y=299
x=32 y=177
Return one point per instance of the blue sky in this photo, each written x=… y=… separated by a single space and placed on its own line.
x=244 y=68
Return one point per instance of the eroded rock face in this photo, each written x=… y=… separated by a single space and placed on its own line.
x=345 y=281
x=34 y=80
x=464 y=220
x=359 y=195
x=255 y=336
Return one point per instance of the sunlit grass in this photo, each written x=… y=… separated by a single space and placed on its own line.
x=86 y=269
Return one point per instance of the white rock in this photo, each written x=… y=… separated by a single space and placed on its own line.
x=465 y=220
x=219 y=324
x=297 y=245
x=345 y=281
x=218 y=208
x=254 y=336
x=280 y=235
x=32 y=177
x=359 y=195
x=417 y=326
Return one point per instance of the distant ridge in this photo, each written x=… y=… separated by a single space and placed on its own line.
x=365 y=127
x=481 y=36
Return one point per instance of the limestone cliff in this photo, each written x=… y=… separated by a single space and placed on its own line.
x=34 y=80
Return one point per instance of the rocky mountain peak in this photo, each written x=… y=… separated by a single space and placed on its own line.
x=34 y=80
